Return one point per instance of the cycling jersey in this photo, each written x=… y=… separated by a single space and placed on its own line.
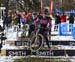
x=45 y=22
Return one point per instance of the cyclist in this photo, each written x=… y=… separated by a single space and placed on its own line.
x=43 y=21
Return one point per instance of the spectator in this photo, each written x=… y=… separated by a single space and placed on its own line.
x=23 y=19
x=63 y=18
x=18 y=18
x=14 y=21
x=9 y=20
x=71 y=18
x=71 y=21
x=57 y=19
x=4 y=21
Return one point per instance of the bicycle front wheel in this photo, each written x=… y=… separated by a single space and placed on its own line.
x=36 y=42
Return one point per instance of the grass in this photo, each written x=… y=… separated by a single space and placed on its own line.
x=40 y=60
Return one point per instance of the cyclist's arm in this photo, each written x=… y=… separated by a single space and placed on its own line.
x=49 y=25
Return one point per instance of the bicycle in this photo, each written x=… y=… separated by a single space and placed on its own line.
x=36 y=40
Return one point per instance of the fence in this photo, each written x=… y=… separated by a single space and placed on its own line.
x=55 y=28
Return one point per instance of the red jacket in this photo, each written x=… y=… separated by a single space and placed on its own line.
x=63 y=18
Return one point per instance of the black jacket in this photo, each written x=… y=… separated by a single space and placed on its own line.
x=71 y=19
x=57 y=19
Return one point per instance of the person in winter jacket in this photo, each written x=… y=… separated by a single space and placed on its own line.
x=18 y=18
x=57 y=19
x=63 y=18
x=71 y=18
x=71 y=21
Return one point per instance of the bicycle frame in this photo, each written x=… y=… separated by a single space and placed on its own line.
x=36 y=34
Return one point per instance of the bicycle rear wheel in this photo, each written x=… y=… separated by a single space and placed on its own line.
x=36 y=42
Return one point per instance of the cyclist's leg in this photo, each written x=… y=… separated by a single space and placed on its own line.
x=47 y=41
x=42 y=31
x=49 y=35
